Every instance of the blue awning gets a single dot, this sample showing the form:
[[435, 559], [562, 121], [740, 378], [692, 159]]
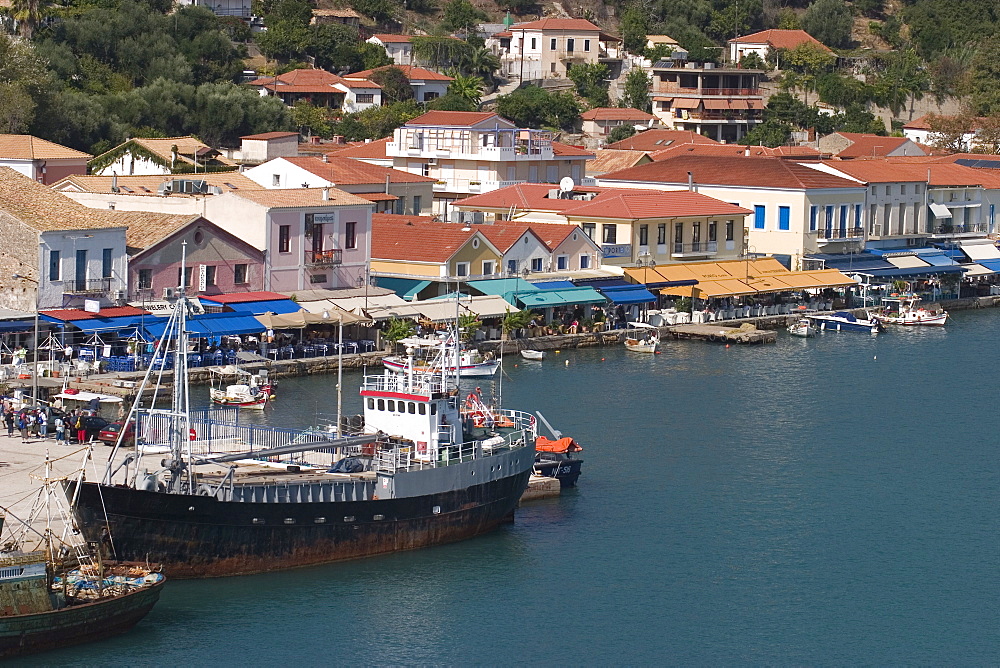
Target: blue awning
[[896, 272], [992, 265], [213, 324], [407, 288], [547, 298], [554, 285], [508, 288], [19, 325], [98, 325], [628, 294], [938, 260], [278, 306], [851, 262]]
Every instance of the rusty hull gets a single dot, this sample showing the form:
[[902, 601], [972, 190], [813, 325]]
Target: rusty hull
[[199, 536]]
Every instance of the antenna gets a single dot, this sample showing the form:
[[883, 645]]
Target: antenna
[[566, 184]]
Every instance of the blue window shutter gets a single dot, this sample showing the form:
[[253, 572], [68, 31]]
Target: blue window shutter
[[857, 216], [813, 217], [783, 217], [758, 216]]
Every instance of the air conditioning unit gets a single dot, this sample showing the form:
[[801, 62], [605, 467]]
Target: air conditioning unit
[[118, 295], [432, 161], [169, 293]]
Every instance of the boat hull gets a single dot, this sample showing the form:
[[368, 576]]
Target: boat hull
[[638, 347], [26, 634], [198, 536], [566, 471], [477, 370]]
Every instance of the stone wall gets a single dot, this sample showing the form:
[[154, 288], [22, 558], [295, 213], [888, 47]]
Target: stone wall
[[18, 255]]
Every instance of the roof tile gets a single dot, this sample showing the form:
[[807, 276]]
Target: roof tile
[[27, 147], [346, 171], [731, 171]]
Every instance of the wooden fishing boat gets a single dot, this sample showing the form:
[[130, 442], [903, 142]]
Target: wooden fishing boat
[[641, 338]]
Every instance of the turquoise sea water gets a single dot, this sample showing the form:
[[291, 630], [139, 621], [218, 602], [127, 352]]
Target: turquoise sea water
[[822, 501]]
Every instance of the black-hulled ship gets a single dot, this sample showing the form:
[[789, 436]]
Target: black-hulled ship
[[420, 470]]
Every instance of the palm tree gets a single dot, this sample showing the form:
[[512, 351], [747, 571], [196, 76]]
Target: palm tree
[[28, 14], [482, 63], [467, 87]]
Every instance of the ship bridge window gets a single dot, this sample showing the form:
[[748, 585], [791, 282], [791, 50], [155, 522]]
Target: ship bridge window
[[423, 409], [392, 406], [411, 407], [371, 404], [381, 404], [433, 409]]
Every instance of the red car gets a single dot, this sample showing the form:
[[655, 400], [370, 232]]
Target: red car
[[109, 434]]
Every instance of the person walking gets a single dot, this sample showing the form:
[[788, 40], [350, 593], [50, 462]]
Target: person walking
[[43, 424], [32, 420], [9, 419], [22, 425], [60, 426], [81, 428]]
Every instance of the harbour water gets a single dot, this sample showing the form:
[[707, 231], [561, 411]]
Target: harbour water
[[818, 501]]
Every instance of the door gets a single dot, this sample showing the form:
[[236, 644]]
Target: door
[[81, 270]]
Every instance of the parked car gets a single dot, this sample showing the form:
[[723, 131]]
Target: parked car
[[109, 434]]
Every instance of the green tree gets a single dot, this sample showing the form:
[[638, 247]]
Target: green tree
[[395, 86], [466, 87], [29, 14], [635, 28], [590, 80], [534, 107], [461, 16], [753, 61], [285, 41], [481, 62], [452, 102], [770, 133], [619, 133], [984, 73], [336, 47], [397, 330], [830, 22], [803, 65], [843, 91], [23, 80], [380, 11], [900, 76], [440, 52], [311, 120], [636, 90], [372, 56], [735, 18]]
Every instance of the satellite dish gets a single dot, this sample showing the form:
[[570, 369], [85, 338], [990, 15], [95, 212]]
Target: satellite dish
[[566, 184]]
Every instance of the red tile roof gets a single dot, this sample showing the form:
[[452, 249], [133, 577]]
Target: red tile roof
[[417, 239], [271, 135], [781, 39], [70, 314], [386, 38], [733, 150], [456, 118], [569, 151], [411, 72], [243, 297], [654, 204], [28, 147], [373, 149], [731, 171], [924, 122], [346, 171], [532, 196], [616, 114], [557, 24], [654, 140], [870, 145]]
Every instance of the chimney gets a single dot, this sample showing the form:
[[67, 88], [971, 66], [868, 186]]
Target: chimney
[[326, 158], [690, 182], [326, 194], [746, 152]]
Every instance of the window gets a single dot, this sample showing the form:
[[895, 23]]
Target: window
[[145, 279], [488, 268], [813, 217], [829, 217], [784, 216], [351, 235], [584, 261], [609, 233], [678, 233], [590, 229], [275, 180], [461, 268], [318, 278], [511, 266], [759, 211], [398, 207], [562, 262], [371, 404], [106, 262], [366, 98], [422, 408], [209, 274], [425, 169], [381, 404], [417, 204], [729, 230], [713, 233], [857, 215], [552, 174], [536, 264], [644, 235], [570, 44], [240, 274], [284, 238], [188, 274], [586, 45], [695, 234], [843, 220], [54, 265], [534, 43], [81, 268], [411, 408], [431, 96], [902, 189], [552, 44], [661, 233], [392, 405]]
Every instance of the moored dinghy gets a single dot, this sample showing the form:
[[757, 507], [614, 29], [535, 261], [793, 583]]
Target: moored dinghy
[[536, 355], [802, 327], [641, 337]]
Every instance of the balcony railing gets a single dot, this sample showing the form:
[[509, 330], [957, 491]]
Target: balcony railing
[[835, 233], [324, 258], [707, 92], [87, 286], [696, 248]]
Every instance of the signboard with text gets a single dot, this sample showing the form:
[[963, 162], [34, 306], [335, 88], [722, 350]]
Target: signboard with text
[[616, 250]]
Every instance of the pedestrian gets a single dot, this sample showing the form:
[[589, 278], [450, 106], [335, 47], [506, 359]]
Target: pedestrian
[[60, 430], [10, 419], [32, 420], [81, 428], [43, 424], [22, 425]]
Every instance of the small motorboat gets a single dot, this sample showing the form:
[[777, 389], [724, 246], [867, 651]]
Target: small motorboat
[[254, 391], [437, 354], [641, 337], [905, 310], [802, 327], [844, 321], [537, 355]]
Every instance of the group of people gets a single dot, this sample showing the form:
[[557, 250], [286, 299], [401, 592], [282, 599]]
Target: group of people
[[35, 423]]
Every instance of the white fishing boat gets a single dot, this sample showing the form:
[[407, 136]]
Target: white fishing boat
[[802, 327], [252, 390], [641, 337], [423, 353], [536, 355], [905, 309]]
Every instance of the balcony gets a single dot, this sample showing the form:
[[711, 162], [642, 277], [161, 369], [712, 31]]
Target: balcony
[[87, 286], [674, 91], [471, 186], [695, 249], [324, 258], [835, 234]]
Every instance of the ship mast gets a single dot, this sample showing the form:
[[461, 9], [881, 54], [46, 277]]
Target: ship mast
[[180, 406]]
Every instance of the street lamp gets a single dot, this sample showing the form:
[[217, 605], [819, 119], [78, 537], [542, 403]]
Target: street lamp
[[34, 371]]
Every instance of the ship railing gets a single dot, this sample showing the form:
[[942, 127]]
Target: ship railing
[[420, 383], [520, 431]]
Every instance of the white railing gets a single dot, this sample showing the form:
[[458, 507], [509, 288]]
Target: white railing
[[421, 383]]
